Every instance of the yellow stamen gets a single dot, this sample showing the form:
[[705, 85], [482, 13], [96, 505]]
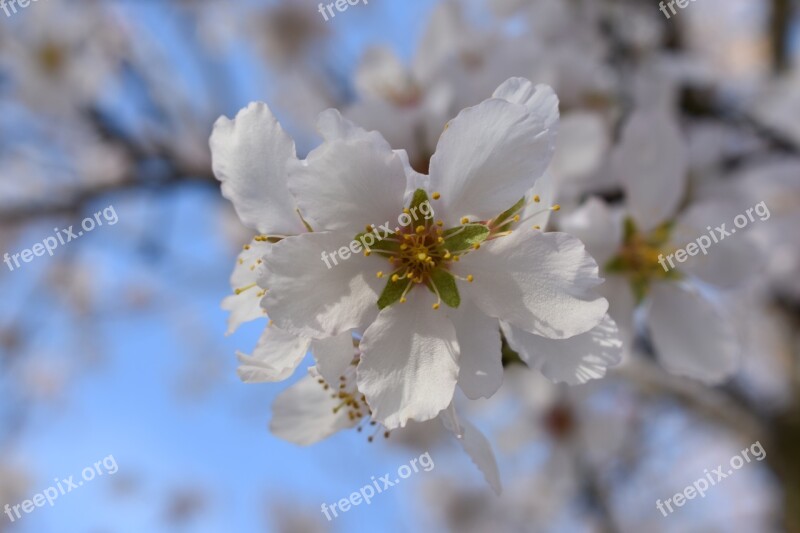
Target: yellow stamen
[[436, 196]]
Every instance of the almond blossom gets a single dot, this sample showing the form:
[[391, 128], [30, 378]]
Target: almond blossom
[[692, 334], [429, 300]]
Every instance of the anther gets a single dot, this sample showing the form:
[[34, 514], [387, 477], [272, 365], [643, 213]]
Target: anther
[[536, 198], [556, 207], [436, 196], [464, 220], [379, 274], [470, 278]]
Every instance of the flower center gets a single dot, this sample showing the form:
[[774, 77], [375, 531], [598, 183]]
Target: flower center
[[422, 252], [637, 258]]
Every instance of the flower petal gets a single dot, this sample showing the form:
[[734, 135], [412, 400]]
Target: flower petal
[[351, 180], [303, 414], [275, 357], [246, 306], [597, 227], [621, 307], [307, 298], [691, 337], [652, 163], [477, 447], [333, 356], [573, 361], [727, 263], [540, 282], [408, 369], [480, 372], [250, 155], [492, 154]]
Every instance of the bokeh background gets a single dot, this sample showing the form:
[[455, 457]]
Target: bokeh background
[[116, 345]]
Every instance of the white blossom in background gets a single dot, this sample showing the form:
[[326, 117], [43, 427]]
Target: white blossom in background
[[60, 55], [692, 334]]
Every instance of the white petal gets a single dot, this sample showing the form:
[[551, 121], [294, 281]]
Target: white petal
[[408, 369], [597, 227], [691, 337], [540, 282], [275, 358], [307, 298], [477, 447], [727, 263], [652, 163], [246, 306], [303, 413], [538, 99], [250, 156], [575, 360], [583, 142], [351, 180], [538, 213], [491, 155], [333, 356], [621, 307], [480, 366]]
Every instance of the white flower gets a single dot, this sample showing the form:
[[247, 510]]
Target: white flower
[[60, 55], [414, 351], [692, 336]]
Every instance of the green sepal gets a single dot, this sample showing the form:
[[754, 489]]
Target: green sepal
[[380, 244], [463, 240], [446, 285], [392, 292], [420, 197], [508, 213]]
